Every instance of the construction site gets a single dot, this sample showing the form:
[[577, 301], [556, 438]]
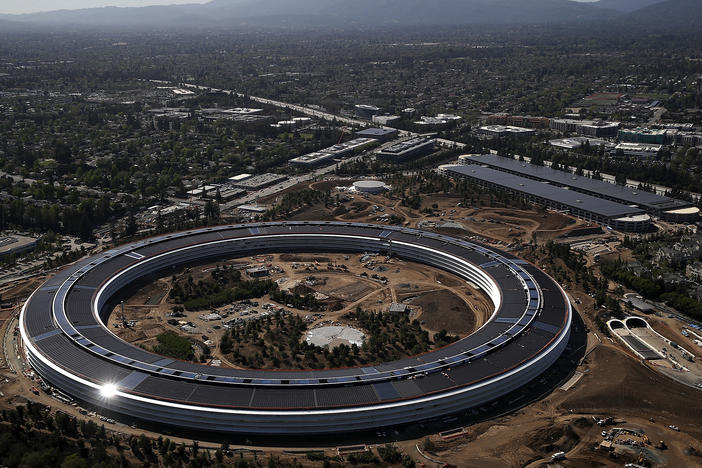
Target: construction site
[[341, 283], [615, 408]]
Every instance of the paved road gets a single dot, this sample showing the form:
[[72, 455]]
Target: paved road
[[273, 189], [11, 349], [328, 116]]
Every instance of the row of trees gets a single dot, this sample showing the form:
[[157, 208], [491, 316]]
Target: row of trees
[[33, 437]]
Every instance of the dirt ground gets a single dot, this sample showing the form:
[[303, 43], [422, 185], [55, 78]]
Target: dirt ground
[[671, 328], [563, 421], [501, 226], [456, 315]]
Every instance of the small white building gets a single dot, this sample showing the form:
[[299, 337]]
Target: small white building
[[369, 186]]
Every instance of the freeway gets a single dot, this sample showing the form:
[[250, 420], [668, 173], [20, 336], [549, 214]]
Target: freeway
[[326, 115], [265, 192], [286, 184]]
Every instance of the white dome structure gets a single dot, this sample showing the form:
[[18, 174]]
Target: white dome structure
[[369, 186]]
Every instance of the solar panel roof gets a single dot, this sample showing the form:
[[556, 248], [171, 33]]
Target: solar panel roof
[[570, 198], [626, 195]]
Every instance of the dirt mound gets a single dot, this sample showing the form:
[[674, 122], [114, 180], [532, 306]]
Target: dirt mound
[[327, 185], [131, 335], [555, 221], [302, 290], [582, 423], [313, 213], [359, 205], [357, 210], [552, 439], [450, 231], [450, 281], [443, 310], [340, 210]]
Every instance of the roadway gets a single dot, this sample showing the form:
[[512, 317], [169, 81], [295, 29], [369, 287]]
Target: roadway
[[327, 116], [253, 197], [273, 189]]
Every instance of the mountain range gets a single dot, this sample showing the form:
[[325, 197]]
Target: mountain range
[[219, 14]]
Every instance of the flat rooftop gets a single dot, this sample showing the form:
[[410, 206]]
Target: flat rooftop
[[577, 142], [404, 146], [630, 196], [376, 132], [14, 242], [311, 158], [341, 149], [645, 147], [506, 128], [565, 196], [240, 177], [259, 180]]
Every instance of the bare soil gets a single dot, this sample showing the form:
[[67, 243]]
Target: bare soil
[[444, 310], [314, 213]]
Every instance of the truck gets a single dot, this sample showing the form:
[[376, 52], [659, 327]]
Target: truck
[[558, 456]]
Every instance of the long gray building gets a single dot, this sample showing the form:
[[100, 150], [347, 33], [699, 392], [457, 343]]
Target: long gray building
[[666, 208], [616, 215]]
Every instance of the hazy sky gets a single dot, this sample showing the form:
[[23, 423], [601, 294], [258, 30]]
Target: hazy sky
[[30, 6]]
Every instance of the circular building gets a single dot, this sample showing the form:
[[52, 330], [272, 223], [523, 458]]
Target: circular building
[[689, 214], [369, 186], [67, 342]]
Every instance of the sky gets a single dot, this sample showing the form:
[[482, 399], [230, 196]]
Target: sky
[[31, 6]]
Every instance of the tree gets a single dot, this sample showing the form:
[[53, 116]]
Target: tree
[[211, 211], [74, 461], [130, 227]]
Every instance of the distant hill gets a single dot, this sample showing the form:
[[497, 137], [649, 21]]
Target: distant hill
[[232, 13], [671, 14], [11, 26], [626, 6]]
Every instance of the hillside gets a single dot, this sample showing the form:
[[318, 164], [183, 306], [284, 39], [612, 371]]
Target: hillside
[[233, 13], [670, 13]]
